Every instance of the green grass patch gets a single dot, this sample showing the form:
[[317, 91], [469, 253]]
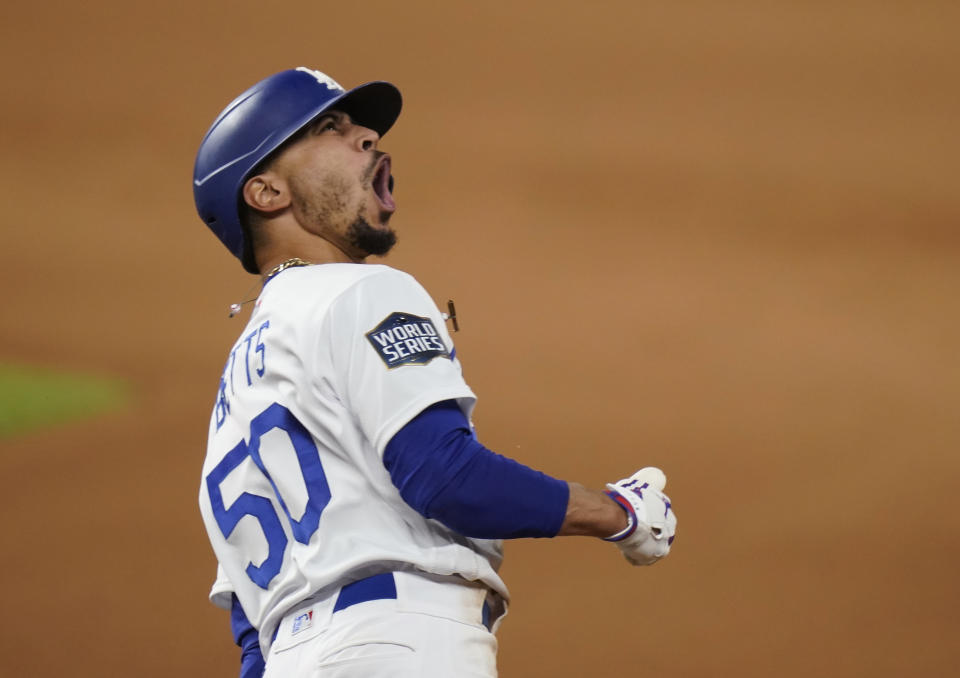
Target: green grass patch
[[33, 398]]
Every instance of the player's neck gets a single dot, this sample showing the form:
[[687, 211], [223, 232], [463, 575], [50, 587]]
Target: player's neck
[[316, 251]]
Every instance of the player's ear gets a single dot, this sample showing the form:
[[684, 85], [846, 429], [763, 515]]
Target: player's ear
[[266, 192]]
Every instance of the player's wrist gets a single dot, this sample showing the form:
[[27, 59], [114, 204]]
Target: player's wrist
[[592, 513], [631, 516]]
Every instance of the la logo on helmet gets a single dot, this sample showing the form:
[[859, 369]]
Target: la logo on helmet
[[322, 78]]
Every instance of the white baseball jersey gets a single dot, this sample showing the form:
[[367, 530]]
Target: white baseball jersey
[[335, 359]]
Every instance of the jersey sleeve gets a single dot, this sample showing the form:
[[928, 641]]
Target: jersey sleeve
[[221, 593], [391, 354]]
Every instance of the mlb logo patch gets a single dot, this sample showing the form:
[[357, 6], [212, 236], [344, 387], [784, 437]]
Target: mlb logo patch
[[302, 622], [406, 339]]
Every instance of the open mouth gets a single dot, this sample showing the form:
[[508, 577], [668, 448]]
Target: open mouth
[[381, 184]]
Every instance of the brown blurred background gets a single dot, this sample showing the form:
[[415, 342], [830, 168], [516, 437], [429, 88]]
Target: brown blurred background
[[716, 237]]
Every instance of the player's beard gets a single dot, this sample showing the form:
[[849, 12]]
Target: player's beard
[[326, 208], [372, 240]]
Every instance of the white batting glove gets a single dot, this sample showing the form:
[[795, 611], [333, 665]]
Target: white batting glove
[[651, 522]]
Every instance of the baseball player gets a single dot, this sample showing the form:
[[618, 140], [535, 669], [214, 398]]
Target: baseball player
[[356, 518]]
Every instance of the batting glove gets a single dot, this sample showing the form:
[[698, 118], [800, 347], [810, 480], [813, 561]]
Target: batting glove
[[651, 522]]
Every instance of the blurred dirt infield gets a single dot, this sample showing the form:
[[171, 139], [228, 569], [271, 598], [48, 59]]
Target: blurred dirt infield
[[718, 239]]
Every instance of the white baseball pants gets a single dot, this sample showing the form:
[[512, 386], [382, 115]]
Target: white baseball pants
[[434, 628]]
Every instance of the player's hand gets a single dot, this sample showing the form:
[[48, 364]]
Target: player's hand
[[651, 522]]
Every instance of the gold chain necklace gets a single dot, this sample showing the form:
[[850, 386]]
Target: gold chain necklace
[[282, 266]]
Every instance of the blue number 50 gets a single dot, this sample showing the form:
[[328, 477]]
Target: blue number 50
[[318, 491]]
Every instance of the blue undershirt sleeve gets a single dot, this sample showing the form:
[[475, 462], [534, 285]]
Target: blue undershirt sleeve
[[247, 637], [444, 473]]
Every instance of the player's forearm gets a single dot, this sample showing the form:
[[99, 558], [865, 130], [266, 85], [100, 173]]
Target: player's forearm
[[445, 474], [592, 513]]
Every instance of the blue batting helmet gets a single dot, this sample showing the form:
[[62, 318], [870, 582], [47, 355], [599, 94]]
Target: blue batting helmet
[[256, 124]]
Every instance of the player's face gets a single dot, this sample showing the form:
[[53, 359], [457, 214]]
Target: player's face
[[339, 184]]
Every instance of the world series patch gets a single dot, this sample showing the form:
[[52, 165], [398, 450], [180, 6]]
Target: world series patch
[[406, 339]]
